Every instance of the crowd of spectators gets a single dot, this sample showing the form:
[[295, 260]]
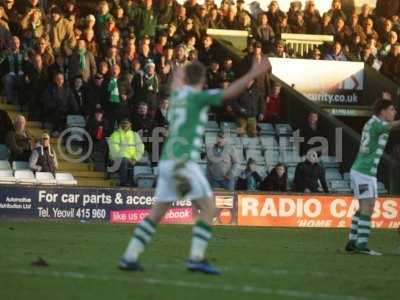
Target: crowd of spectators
[[114, 61]]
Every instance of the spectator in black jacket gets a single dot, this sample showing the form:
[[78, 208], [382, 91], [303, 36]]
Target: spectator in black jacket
[[276, 181], [12, 68], [309, 131], [36, 81], [59, 102], [6, 125], [99, 128], [206, 51], [249, 107], [308, 174], [142, 123], [95, 94], [80, 93]]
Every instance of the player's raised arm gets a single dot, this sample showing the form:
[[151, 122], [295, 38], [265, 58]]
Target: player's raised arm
[[178, 79], [240, 85]]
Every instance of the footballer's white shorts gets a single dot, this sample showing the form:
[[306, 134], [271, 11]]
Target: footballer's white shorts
[[166, 186], [365, 187]]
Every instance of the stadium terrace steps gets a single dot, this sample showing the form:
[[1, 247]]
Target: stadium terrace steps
[[81, 171]]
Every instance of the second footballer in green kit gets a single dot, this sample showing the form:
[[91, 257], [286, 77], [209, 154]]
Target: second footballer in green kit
[[363, 174]]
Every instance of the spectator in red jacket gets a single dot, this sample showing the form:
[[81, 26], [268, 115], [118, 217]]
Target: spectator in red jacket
[[272, 112]]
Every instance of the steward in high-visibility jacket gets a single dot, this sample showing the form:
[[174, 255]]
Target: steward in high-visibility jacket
[[125, 143]]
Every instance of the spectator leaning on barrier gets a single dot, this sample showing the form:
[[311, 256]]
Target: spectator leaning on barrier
[[222, 164], [276, 181], [308, 174], [43, 158], [126, 149], [19, 141]]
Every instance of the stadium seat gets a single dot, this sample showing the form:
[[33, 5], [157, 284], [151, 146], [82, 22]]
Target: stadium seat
[[251, 142], [329, 162], [262, 170], [381, 188], [210, 138], [145, 161], [140, 170], [284, 130], [212, 126], [45, 178], [339, 186], [25, 177], [230, 127], [291, 171], [271, 157], [269, 142], [290, 158], [20, 165], [346, 176], [333, 174], [155, 171], [4, 153], [5, 165], [255, 154], [286, 143], [6, 177], [145, 181], [266, 129], [65, 179], [76, 121]]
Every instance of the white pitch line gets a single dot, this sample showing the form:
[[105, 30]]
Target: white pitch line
[[244, 289], [264, 271]]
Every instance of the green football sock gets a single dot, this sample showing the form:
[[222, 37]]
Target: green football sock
[[354, 227], [364, 231]]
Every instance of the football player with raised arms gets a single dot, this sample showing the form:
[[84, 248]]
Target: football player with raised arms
[[179, 176]]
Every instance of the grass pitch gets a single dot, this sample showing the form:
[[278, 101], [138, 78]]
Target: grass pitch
[[258, 263]]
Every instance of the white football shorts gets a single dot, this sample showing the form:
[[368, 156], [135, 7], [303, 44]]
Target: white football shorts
[[365, 187], [166, 187]]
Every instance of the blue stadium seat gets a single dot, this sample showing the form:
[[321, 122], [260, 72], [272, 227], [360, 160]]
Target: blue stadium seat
[[20, 165], [4, 153], [5, 165]]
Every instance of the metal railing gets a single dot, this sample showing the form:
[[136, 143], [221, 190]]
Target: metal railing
[[302, 44]]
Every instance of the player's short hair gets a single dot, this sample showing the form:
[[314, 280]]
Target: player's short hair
[[195, 73], [381, 104]]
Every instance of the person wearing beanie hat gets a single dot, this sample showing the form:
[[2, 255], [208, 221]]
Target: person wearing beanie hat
[[43, 157]]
